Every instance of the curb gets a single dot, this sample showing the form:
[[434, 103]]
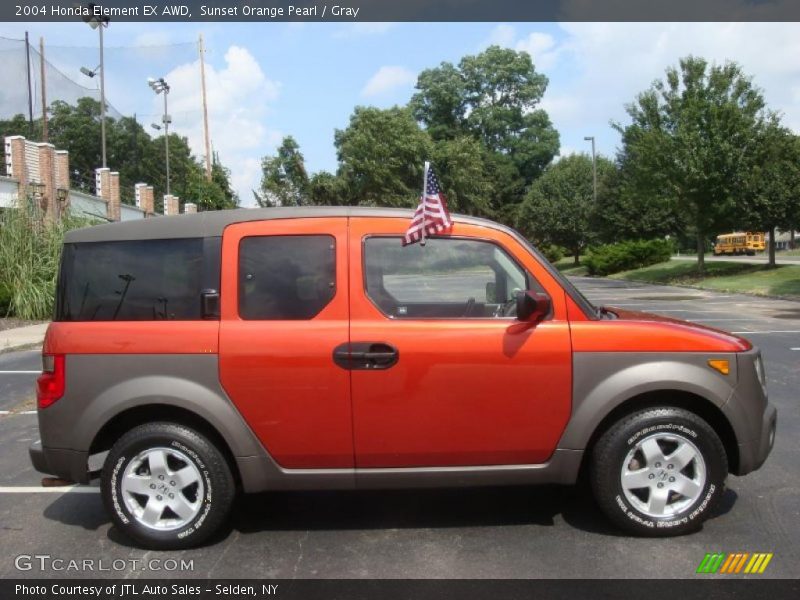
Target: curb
[[21, 348], [697, 287]]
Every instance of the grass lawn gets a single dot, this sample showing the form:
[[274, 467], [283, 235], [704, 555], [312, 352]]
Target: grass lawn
[[783, 280], [567, 266]]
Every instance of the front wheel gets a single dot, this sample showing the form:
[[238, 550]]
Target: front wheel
[[167, 486], [659, 472]]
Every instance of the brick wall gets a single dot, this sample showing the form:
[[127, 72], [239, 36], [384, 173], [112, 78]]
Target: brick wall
[[172, 205]]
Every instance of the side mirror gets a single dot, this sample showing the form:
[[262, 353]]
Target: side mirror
[[532, 306]]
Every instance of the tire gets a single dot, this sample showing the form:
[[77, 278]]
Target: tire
[[167, 486], [672, 498]]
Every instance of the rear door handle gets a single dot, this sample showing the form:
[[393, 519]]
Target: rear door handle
[[366, 356]]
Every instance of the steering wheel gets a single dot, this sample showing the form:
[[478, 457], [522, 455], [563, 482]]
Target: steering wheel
[[469, 306]]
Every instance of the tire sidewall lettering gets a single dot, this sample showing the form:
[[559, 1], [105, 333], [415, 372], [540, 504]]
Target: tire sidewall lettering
[[671, 427], [115, 490]]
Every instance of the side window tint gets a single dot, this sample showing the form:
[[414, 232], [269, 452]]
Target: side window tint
[[446, 278], [141, 280], [289, 277]]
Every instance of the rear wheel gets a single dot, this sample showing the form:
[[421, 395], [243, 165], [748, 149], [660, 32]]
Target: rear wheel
[[167, 486], [659, 472]]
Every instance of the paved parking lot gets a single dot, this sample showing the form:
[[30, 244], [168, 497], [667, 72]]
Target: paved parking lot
[[509, 533]]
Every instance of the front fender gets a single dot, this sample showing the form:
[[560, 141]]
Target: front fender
[[602, 381]]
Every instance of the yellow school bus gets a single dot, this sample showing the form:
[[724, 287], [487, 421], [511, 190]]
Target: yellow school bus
[[741, 242]]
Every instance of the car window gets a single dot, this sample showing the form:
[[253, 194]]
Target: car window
[[140, 280], [446, 278], [286, 277]]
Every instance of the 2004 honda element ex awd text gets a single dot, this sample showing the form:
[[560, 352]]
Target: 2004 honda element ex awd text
[[197, 356]]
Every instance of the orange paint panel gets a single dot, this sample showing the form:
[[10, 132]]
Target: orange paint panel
[[464, 391], [643, 332], [280, 374], [132, 337]]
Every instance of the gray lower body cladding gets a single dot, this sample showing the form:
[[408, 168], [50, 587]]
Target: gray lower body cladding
[[602, 381], [100, 387]]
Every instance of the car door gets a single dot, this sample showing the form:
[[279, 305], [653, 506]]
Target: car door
[[441, 375], [284, 308]]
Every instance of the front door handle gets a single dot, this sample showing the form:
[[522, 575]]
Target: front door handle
[[366, 356]]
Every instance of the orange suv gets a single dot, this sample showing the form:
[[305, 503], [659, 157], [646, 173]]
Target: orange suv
[[193, 357]]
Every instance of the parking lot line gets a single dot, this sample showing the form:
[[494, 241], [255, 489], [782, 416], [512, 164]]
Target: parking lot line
[[20, 372], [767, 332], [72, 489]]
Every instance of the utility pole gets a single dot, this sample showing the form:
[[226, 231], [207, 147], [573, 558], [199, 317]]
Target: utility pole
[[590, 138], [102, 95], [30, 87], [44, 91], [99, 22], [159, 86], [166, 134], [205, 107]]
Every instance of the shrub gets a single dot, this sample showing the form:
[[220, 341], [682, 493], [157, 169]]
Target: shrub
[[5, 300], [30, 251], [552, 252], [624, 256]]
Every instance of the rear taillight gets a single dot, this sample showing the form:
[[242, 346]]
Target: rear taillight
[[50, 384]]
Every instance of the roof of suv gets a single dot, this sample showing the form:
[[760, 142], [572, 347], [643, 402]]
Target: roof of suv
[[212, 223]]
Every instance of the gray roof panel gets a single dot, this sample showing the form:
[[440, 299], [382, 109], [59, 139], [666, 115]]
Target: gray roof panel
[[212, 223]]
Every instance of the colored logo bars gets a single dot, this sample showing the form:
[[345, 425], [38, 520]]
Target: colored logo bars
[[731, 564]]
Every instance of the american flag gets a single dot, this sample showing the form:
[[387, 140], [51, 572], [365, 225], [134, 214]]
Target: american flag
[[431, 216]]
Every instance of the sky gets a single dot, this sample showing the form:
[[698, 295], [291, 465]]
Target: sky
[[268, 80]]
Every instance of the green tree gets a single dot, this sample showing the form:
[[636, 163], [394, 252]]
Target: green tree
[[559, 207], [221, 176], [772, 186], [692, 139], [284, 181], [130, 150], [327, 189], [492, 96], [214, 194], [624, 213], [19, 125], [463, 167], [381, 156]]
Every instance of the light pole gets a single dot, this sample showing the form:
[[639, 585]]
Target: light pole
[[590, 138], [100, 23], [160, 86]]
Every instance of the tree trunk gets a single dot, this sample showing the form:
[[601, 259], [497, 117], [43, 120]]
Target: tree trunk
[[791, 239], [577, 260], [771, 262], [701, 251]]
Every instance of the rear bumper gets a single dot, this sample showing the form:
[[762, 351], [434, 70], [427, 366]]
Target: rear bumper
[[64, 464]]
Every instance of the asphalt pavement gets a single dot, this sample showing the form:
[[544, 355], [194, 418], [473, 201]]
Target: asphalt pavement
[[479, 533]]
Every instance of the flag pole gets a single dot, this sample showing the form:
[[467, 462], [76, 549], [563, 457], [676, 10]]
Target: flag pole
[[424, 197]]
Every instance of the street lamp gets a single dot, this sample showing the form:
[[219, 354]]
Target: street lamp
[[99, 23], [160, 86], [590, 138], [90, 73]]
